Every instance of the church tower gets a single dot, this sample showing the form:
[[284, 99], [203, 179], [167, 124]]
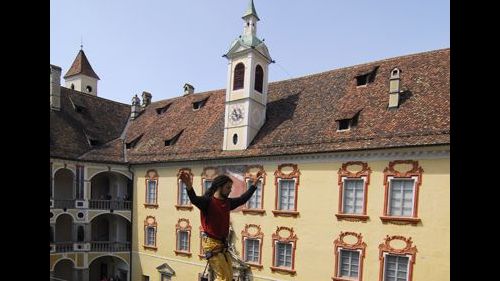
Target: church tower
[[246, 91], [81, 76]]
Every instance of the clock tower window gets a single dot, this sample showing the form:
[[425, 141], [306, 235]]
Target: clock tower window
[[259, 78], [235, 139], [239, 76]]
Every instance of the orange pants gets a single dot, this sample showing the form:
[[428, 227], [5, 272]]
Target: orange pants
[[220, 263]]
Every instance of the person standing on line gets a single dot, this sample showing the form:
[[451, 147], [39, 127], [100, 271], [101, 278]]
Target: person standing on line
[[215, 206]]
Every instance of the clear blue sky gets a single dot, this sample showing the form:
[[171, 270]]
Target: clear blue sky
[[158, 45]]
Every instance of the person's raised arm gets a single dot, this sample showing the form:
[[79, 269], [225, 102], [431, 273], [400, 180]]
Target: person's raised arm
[[238, 201], [199, 201]]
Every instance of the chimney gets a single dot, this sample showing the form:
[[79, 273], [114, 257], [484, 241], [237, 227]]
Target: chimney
[[55, 87], [188, 89], [136, 107], [146, 99], [394, 88]]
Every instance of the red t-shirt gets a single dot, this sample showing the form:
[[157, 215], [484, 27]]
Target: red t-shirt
[[215, 221]]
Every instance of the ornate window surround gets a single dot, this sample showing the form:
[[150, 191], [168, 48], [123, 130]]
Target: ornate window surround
[[292, 238], [151, 175], [293, 175], [150, 221], [345, 173], [177, 205], [391, 173], [207, 175], [247, 176], [359, 246], [183, 225], [257, 235], [408, 250]]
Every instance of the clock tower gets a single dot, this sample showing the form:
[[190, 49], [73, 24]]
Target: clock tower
[[246, 91]]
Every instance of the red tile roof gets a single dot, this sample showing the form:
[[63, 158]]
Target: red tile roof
[[81, 65], [301, 116]]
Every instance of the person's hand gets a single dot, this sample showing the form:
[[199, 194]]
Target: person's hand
[[186, 178], [257, 177]]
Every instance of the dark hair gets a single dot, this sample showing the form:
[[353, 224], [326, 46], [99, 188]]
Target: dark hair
[[216, 183]]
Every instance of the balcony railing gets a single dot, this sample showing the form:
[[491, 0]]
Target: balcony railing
[[64, 203], [105, 246], [95, 246], [62, 247], [110, 204]]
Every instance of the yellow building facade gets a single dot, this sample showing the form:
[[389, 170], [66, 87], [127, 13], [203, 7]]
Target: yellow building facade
[[317, 224]]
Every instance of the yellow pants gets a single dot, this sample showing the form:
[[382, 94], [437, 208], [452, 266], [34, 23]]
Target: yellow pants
[[221, 262]]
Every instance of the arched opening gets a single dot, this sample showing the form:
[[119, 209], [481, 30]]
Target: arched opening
[[64, 270], [239, 76], [72, 86], [235, 139], [259, 78], [108, 266], [110, 190], [89, 89], [64, 228], [110, 232], [63, 184]]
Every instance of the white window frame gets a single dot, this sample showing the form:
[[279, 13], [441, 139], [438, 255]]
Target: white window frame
[[279, 203], [363, 202], [258, 250], [254, 195], [179, 240], [182, 190], [389, 195], [148, 241], [407, 266], [339, 262], [276, 260], [148, 192], [204, 186]]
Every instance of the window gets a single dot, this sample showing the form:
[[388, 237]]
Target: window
[[254, 204], [287, 183], [401, 197], [402, 180], [163, 109], [199, 104], [365, 78], [134, 142], [349, 257], [353, 182], [239, 76], [150, 228], [151, 189], [173, 140], [396, 268], [396, 264], [183, 237], [182, 196], [286, 194], [79, 181], [235, 139], [284, 242], [80, 234], [208, 174], [202, 252], [145, 278], [252, 237], [259, 78], [72, 86], [89, 89], [348, 123]]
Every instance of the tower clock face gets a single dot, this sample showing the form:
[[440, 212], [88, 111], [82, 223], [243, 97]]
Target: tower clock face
[[236, 114]]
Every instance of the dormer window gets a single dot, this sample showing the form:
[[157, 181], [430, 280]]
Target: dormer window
[[93, 142], [77, 108], [239, 76], [134, 142], [347, 123], [366, 78], [199, 104], [162, 110], [173, 140]]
